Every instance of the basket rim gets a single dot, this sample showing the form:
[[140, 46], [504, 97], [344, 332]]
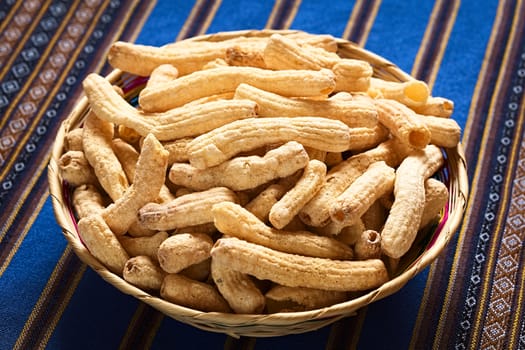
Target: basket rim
[[254, 325]]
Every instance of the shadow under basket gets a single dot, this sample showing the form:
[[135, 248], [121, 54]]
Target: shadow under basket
[[430, 242]]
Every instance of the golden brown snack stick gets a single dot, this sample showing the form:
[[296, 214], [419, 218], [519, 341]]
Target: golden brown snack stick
[[148, 245], [436, 196], [76, 170], [194, 294], [128, 157], [221, 144], [127, 134], [150, 175], [143, 59], [87, 200], [350, 234], [368, 246], [239, 290], [187, 210], [316, 212], [299, 271], [444, 132], [253, 55], [292, 299], [175, 123], [261, 205], [436, 106], [242, 173], [190, 56], [96, 141], [403, 222], [226, 79], [73, 140], [410, 93], [350, 205], [360, 113], [286, 208], [102, 243], [162, 74], [402, 123], [198, 272], [333, 158], [233, 220], [374, 218], [239, 56], [352, 75], [143, 272], [177, 150], [364, 138], [282, 52], [183, 250]]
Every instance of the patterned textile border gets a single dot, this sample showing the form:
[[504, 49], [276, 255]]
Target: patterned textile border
[[486, 286], [46, 49]]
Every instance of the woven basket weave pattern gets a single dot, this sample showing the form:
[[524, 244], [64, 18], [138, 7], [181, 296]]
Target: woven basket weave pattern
[[280, 323]]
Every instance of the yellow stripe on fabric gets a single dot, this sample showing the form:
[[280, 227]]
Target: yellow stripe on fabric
[[21, 42], [435, 68], [444, 38], [276, 10], [199, 4], [146, 338], [21, 199], [371, 18], [424, 302], [209, 18], [483, 72], [508, 178], [354, 15], [353, 29], [57, 84], [185, 32], [475, 179], [25, 230], [291, 15], [44, 297]]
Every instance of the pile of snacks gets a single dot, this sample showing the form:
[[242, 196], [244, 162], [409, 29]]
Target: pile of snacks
[[256, 175]]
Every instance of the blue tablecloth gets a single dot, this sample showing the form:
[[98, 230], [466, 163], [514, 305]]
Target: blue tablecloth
[[472, 52]]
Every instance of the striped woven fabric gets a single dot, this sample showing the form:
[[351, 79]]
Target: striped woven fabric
[[473, 52]]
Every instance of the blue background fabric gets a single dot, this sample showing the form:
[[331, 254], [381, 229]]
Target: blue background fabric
[[472, 52]]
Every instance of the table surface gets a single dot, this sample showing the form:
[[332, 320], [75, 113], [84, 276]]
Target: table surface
[[472, 52]]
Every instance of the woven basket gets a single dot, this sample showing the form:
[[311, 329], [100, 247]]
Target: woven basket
[[428, 246]]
